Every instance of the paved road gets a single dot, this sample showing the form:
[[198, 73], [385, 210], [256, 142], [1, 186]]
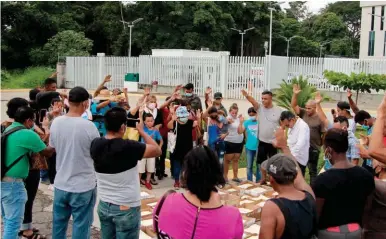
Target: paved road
[[164, 185]]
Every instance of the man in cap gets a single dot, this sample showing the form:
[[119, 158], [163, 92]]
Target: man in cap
[[75, 182], [293, 213], [192, 99]]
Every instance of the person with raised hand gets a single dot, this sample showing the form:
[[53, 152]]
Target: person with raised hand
[[317, 129]]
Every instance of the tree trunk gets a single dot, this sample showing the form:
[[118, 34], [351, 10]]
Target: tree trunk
[[356, 98]]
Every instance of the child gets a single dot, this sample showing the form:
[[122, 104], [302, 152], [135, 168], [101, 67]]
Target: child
[[148, 164], [250, 127]]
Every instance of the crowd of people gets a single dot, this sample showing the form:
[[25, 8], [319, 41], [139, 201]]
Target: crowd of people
[[80, 143]]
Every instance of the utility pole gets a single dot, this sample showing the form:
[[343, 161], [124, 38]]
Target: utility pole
[[288, 41], [242, 33], [131, 25], [321, 47]]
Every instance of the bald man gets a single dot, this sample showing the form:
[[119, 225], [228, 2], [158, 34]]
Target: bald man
[[317, 128]]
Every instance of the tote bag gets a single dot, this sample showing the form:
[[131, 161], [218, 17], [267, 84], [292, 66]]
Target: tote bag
[[172, 138]]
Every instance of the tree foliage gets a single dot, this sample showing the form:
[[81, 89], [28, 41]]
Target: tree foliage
[[359, 82], [28, 26], [65, 43], [283, 95]]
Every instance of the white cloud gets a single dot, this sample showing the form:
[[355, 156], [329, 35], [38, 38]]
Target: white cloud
[[314, 5]]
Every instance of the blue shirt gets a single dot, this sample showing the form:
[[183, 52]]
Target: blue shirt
[[153, 133], [100, 124], [252, 130]]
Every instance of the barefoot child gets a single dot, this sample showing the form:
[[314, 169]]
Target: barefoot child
[[148, 164]]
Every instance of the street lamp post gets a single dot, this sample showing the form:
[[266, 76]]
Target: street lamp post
[[321, 47], [288, 41], [131, 25], [242, 33]]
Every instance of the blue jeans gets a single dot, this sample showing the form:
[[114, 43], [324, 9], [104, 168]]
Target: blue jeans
[[44, 175], [117, 223], [78, 205], [13, 199], [219, 149], [250, 159], [176, 169]]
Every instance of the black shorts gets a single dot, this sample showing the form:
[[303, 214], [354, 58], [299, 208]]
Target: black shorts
[[233, 148]]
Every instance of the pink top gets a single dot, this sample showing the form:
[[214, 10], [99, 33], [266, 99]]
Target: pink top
[[177, 217]]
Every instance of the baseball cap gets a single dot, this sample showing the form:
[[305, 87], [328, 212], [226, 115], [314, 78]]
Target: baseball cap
[[281, 167], [78, 94], [217, 95], [189, 86], [343, 105]]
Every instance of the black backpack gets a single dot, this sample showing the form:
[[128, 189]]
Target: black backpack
[[4, 136]]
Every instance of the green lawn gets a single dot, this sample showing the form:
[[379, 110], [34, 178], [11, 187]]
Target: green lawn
[[27, 79]]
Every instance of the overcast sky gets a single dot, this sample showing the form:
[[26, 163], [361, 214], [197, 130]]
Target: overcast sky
[[313, 5]]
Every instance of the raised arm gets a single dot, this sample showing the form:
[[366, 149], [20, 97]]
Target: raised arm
[[100, 87], [241, 128], [281, 143], [152, 148], [319, 110], [294, 101], [353, 106], [251, 100], [377, 149], [126, 96]]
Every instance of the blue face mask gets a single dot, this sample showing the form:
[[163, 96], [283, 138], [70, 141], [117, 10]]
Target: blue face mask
[[183, 119], [188, 94], [221, 118], [365, 127], [253, 118]]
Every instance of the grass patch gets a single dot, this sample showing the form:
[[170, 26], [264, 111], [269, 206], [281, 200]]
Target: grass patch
[[25, 79]]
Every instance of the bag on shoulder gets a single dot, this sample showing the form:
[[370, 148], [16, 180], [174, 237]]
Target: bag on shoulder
[[172, 139], [4, 136], [131, 133]]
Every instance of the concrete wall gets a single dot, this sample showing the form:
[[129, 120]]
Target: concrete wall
[[366, 27]]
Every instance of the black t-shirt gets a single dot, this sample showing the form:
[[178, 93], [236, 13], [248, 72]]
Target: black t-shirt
[[44, 99], [184, 141], [345, 192], [113, 156]]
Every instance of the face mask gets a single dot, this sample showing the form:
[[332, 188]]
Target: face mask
[[253, 118], [188, 94], [365, 127], [151, 106], [221, 118], [183, 119]]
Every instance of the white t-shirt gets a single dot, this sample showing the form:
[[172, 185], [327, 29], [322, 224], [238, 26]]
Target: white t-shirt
[[71, 137], [234, 136]]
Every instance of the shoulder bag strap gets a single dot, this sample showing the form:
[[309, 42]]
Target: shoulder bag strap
[[4, 137], [157, 212], [13, 130], [195, 222]]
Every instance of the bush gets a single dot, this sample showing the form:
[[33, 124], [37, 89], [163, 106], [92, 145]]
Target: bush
[[27, 79], [283, 95]]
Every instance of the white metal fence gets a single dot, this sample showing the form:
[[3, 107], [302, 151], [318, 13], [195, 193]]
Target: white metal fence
[[223, 73]]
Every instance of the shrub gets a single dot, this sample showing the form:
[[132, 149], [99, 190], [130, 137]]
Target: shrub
[[27, 79]]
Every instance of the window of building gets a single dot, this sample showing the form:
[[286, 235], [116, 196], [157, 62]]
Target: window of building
[[372, 18], [382, 17], [384, 45], [371, 43]]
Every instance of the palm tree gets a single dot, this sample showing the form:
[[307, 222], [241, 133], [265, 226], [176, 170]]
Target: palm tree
[[283, 95]]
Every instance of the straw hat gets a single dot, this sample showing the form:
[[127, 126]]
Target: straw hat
[[104, 95]]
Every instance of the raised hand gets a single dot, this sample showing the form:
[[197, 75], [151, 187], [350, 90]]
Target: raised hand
[[241, 118], [280, 138], [244, 92], [146, 91], [45, 122], [349, 93], [208, 90], [178, 88], [54, 75], [318, 98], [139, 127], [125, 90], [107, 79], [296, 89]]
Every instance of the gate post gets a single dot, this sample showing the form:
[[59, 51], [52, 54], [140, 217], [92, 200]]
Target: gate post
[[224, 59]]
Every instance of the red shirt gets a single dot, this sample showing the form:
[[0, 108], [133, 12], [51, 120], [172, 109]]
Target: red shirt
[[384, 141], [164, 128]]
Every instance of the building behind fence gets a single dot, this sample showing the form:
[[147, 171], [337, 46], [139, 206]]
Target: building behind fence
[[227, 74]]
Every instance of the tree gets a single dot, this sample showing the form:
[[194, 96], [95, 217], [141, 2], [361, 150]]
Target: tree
[[297, 10], [359, 82], [328, 26], [66, 43], [283, 95]]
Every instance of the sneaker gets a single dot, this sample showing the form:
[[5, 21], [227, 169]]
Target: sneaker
[[51, 187], [153, 182], [177, 185], [148, 186], [237, 180]]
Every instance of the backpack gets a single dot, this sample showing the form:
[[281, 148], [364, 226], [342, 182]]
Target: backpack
[[4, 136]]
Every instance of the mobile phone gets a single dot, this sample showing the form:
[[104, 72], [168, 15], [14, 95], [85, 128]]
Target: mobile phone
[[42, 115]]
